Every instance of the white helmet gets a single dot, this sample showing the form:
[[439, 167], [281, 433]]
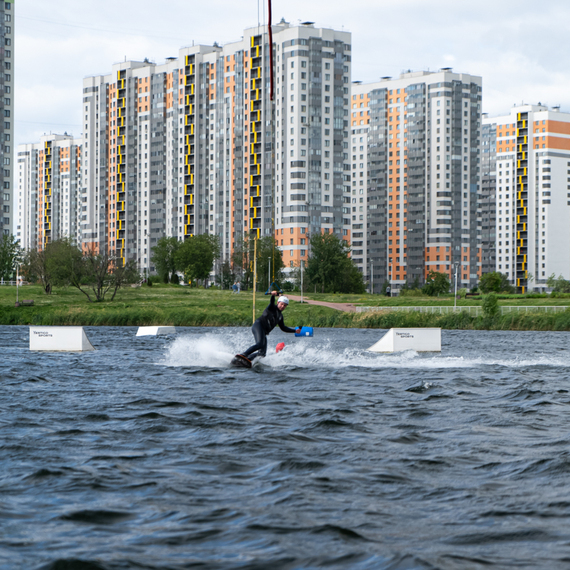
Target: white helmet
[[283, 299]]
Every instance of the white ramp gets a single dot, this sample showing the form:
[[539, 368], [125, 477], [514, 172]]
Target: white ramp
[[153, 331], [59, 339], [420, 340]]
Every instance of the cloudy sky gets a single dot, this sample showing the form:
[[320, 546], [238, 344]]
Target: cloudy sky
[[520, 48]]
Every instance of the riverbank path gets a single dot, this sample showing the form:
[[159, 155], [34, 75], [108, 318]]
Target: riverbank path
[[346, 307]]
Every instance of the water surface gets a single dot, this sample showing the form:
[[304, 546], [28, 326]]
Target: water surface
[[152, 452]]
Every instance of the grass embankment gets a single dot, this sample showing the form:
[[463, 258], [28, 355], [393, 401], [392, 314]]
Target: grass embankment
[[443, 300], [182, 306], [156, 305]]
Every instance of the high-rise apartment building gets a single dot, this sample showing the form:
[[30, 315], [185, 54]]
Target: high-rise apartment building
[[7, 110], [415, 151], [532, 195], [48, 190], [195, 145], [488, 196]]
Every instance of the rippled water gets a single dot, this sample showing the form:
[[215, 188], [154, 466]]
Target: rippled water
[[153, 453]]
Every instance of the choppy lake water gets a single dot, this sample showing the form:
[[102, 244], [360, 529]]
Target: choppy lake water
[[152, 453]]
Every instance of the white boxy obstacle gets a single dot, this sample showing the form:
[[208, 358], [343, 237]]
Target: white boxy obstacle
[[153, 331], [420, 340], [59, 339]]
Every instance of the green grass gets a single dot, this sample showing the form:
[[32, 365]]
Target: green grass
[[156, 305], [182, 306], [368, 300]]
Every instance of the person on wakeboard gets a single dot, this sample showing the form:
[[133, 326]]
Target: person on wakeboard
[[272, 316]]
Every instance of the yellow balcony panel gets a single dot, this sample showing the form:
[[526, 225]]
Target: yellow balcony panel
[[192, 129]]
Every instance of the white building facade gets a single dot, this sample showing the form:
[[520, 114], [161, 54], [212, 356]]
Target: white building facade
[[532, 195], [195, 145], [48, 176]]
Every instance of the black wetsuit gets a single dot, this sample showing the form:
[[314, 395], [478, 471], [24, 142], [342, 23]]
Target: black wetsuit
[[270, 318]]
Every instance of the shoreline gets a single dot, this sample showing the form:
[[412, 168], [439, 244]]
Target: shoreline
[[309, 316]]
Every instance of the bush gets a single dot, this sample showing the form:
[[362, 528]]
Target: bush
[[175, 280], [149, 282], [411, 293], [287, 286], [462, 292], [490, 305], [436, 283]]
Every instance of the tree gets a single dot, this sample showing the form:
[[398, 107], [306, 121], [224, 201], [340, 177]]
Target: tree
[[91, 272], [558, 284], [227, 277], [267, 248], [495, 282], [195, 257], [36, 268], [45, 265], [330, 268], [163, 257], [10, 254], [436, 284], [241, 261]]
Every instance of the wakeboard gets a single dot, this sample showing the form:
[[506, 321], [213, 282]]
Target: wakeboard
[[241, 361]]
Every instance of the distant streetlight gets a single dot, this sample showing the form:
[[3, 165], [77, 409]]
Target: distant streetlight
[[269, 274], [455, 297], [371, 278], [17, 284], [302, 263]]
